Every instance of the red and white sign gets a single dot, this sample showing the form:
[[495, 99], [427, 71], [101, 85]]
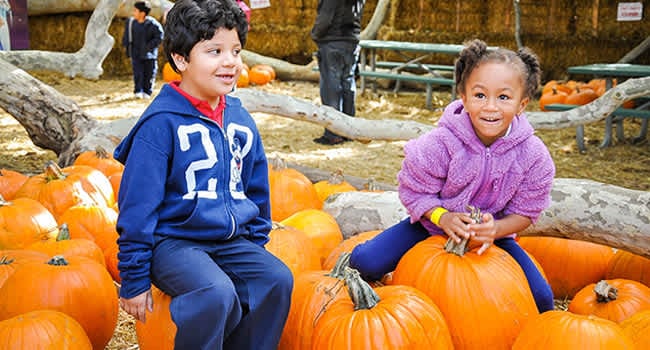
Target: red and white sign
[[260, 4], [629, 11]]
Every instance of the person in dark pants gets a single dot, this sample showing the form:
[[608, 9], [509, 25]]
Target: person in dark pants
[[195, 211], [336, 33], [142, 36]]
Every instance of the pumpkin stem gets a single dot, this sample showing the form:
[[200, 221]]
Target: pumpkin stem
[[4, 260], [361, 293], [64, 233], [371, 185], [101, 153], [342, 263], [3, 201], [277, 163], [53, 171], [462, 247], [336, 177], [605, 292], [58, 260]]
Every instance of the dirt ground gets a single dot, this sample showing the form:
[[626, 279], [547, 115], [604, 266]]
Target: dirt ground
[[623, 164]]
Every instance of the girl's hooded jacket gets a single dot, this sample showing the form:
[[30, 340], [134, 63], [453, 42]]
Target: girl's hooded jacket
[[187, 177], [450, 167]]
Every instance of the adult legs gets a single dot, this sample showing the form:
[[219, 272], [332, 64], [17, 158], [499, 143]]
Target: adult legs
[[380, 255], [538, 286]]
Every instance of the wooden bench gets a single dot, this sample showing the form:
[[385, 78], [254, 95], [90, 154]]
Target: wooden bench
[[428, 80], [616, 117]]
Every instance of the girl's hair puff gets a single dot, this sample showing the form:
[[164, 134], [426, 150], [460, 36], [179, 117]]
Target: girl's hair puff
[[476, 52]]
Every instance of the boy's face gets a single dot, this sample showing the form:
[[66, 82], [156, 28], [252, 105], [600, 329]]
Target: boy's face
[[138, 15], [213, 66]]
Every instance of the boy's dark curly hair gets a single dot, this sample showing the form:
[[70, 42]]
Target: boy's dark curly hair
[[191, 21], [476, 52]]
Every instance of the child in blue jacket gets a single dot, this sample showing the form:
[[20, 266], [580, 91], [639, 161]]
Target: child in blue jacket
[[194, 198]]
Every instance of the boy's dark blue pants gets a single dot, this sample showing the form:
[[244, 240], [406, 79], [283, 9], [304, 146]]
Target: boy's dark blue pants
[[144, 75], [380, 255], [225, 295]]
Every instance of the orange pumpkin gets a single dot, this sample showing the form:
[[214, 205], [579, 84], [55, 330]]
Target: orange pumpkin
[[93, 222], [334, 184], [259, 75], [111, 261], [551, 97], [569, 264], [243, 79], [10, 182], [115, 179], [467, 286], [11, 259], [629, 266], [168, 73], [267, 68], [321, 228], [291, 191], [64, 245], [615, 300], [565, 330], [159, 331], [43, 329], [389, 317], [637, 328], [346, 246], [24, 221], [75, 285], [294, 248], [101, 160], [581, 96]]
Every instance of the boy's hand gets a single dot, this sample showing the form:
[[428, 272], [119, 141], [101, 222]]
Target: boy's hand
[[138, 305]]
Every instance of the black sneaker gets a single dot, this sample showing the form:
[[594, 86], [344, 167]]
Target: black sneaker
[[331, 140]]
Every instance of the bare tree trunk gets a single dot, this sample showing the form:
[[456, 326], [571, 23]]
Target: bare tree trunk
[[124, 9]]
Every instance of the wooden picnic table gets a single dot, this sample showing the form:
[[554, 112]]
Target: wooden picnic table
[[609, 72]]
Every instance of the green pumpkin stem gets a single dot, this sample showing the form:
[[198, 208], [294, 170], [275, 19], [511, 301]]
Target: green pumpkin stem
[[605, 292], [361, 293], [341, 263], [58, 260], [53, 171], [462, 247], [64, 233]]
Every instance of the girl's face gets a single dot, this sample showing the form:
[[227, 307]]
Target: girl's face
[[494, 95], [213, 67]]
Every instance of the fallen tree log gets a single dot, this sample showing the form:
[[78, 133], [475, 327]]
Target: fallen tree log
[[580, 209]]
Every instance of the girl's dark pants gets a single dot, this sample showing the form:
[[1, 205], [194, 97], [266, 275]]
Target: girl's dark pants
[[380, 255]]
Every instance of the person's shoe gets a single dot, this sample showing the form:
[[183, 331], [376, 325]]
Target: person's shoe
[[146, 96], [331, 140], [138, 95]]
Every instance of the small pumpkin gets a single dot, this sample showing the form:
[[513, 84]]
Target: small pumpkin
[[615, 300], [291, 191], [10, 182], [24, 221], [335, 183], [43, 329], [101, 160], [168, 73], [321, 228], [64, 245], [259, 75], [294, 248], [159, 331], [93, 222], [551, 97], [581, 96], [243, 79]]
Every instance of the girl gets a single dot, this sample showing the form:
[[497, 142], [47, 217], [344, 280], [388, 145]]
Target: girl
[[483, 154]]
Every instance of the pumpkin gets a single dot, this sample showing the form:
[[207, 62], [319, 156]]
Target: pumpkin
[[11, 259], [159, 331], [313, 292], [111, 261], [551, 97], [321, 228], [389, 317], [291, 191], [75, 285], [334, 184], [258, 75], [24, 221], [94, 222], [629, 266], [243, 79], [267, 68], [64, 245], [484, 298], [346, 246], [169, 74], [557, 329], [581, 96], [568, 264], [10, 182], [294, 248], [637, 328], [101, 160], [115, 179], [43, 329], [615, 300]]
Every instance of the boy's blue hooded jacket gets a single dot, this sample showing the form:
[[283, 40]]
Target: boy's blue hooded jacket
[[186, 177]]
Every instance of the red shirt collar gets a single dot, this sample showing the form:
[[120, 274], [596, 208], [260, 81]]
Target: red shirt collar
[[202, 105]]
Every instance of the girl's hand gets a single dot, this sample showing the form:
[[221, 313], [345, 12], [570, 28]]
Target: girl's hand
[[456, 225], [138, 305], [484, 232]]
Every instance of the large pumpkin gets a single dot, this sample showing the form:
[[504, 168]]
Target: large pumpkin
[[43, 329], [637, 328], [629, 266], [101, 160], [569, 264], [291, 191], [159, 331], [321, 228], [389, 317], [294, 248], [484, 298], [77, 286], [94, 222], [347, 245], [615, 300], [11, 259], [66, 246], [24, 221], [557, 329]]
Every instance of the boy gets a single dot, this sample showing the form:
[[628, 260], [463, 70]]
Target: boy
[[142, 36], [194, 199]]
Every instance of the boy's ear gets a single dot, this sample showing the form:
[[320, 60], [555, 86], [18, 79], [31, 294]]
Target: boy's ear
[[179, 61]]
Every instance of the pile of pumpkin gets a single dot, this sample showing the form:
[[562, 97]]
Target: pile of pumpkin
[[435, 299], [573, 92], [259, 74]]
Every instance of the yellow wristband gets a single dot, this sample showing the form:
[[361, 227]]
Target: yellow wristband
[[436, 214]]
